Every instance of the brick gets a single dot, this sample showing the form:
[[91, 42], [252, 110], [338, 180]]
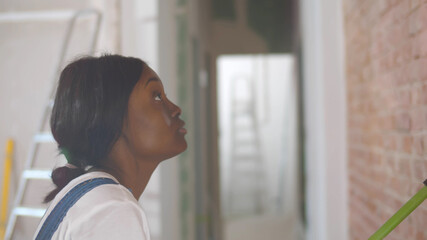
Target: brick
[[407, 144], [400, 76], [380, 178], [389, 99], [403, 121], [391, 201], [418, 120], [413, 24], [379, 47], [382, 6], [417, 19], [403, 53], [355, 138], [422, 69], [420, 218], [419, 145], [403, 98], [385, 63], [419, 170], [424, 144], [416, 96], [389, 142], [422, 16], [397, 34], [421, 235], [420, 45], [390, 165], [412, 70], [423, 93], [405, 168], [398, 13], [415, 4]]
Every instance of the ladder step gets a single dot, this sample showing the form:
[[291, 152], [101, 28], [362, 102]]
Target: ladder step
[[250, 143], [243, 103], [242, 114], [44, 137], [248, 149], [30, 212], [244, 127], [244, 136], [37, 174], [249, 172], [241, 157]]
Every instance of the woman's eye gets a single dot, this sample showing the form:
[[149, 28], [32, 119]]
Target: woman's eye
[[158, 97]]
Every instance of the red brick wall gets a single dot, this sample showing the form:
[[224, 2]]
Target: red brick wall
[[386, 67]]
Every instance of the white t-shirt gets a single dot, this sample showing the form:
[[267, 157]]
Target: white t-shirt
[[108, 211]]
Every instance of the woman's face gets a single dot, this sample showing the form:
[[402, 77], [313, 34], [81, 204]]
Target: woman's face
[[153, 128]]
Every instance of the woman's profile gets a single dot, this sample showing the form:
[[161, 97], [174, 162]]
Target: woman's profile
[[114, 124]]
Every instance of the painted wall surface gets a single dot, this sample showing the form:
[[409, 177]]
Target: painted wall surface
[[386, 86], [325, 119]]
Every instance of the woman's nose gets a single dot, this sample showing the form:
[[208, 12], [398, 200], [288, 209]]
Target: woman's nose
[[176, 111]]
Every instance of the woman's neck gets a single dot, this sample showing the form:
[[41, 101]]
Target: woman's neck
[[133, 179], [131, 172]]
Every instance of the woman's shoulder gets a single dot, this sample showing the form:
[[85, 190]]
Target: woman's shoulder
[[101, 198], [106, 193], [110, 208], [105, 210], [106, 199]]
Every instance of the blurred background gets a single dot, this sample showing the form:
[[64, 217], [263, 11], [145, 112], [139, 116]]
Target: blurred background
[[306, 118]]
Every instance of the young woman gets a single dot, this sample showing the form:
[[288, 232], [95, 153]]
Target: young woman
[[114, 124]]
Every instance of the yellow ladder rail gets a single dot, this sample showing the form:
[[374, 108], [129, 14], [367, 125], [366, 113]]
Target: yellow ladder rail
[[6, 182]]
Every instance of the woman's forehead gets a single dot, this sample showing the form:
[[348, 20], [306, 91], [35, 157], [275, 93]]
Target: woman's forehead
[[148, 73], [148, 77]]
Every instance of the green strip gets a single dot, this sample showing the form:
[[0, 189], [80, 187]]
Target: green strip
[[400, 215]]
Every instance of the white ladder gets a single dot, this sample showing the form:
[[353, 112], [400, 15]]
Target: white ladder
[[44, 135], [247, 180]]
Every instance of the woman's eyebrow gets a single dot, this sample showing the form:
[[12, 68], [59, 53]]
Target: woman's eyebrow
[[150, 80]]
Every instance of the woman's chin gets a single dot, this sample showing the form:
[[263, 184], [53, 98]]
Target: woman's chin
[[183, 147]]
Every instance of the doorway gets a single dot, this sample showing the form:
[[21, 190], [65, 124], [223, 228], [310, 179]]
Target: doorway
[[258, 146]]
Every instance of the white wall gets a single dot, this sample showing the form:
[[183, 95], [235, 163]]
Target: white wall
[[325, 119]]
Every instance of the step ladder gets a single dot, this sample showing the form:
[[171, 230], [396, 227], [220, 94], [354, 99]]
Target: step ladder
[[43, 135], [247, 170]]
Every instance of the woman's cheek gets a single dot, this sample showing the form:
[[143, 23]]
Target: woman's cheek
[[166, 117]]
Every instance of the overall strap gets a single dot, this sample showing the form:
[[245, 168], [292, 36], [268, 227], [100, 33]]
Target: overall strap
[[58, 213]]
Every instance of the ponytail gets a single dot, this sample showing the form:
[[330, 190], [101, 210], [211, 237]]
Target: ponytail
[[61, 177]]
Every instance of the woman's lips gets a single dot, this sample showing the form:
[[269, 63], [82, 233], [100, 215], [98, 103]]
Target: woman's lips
[[182, 130]]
